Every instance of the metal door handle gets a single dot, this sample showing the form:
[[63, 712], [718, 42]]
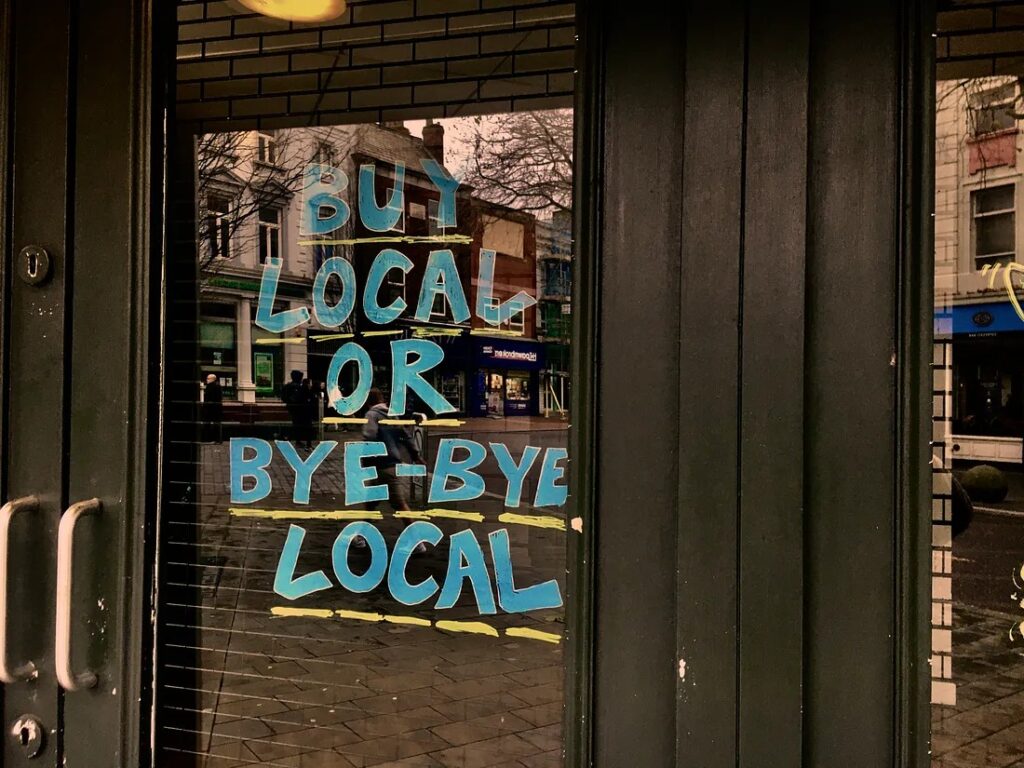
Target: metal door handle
[[65, 571], [27, 670]]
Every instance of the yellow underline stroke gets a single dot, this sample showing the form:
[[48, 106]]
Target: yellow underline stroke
[[307, 514], [494, 332], [289, 340], [359, 615], [311, 613], [533, 634], [537, 521], [472, 627], [451, 514], [381, 333], [331, 336], [424, 423], [437, 331], [343, 420], [510, 518], [398, 421], [465, 239], [442, 423]]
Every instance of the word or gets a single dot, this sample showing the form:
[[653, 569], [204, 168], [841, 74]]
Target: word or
[[452, 480], [465, 564]]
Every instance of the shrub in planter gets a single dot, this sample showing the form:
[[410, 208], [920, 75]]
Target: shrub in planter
[[985, 483]]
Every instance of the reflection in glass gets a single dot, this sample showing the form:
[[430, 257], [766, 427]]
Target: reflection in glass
[[305, 621]]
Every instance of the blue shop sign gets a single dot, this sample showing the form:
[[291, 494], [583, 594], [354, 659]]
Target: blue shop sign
[[979, 319], [510, 353]]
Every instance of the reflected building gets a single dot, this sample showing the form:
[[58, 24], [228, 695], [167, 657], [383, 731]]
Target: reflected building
[[250, 204]]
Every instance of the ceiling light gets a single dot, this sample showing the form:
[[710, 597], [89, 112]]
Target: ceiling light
[[298, 10]]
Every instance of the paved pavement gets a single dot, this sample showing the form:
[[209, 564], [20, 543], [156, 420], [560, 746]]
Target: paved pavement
[[242, 687]]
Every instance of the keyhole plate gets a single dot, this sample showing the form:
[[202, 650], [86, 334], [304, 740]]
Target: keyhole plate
[[28, 732], [33, 264]]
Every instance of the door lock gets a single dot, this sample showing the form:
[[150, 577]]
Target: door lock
[[33, 264], [28, 732]]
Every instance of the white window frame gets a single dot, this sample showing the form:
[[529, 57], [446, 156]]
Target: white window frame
[[220, 219], [266, 148], [396, 279], [268, 229], [978, 261]]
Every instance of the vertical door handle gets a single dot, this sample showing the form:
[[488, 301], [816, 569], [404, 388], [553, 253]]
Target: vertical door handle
[[66, 676], [10, 510]]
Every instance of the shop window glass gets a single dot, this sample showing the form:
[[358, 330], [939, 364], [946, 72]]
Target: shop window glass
[[283, 642], [994, 225], [977, 449]]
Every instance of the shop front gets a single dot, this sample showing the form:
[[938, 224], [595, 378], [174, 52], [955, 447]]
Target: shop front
[[505, 377]]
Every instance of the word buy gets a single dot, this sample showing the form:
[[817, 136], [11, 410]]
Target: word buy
[[324, 211]]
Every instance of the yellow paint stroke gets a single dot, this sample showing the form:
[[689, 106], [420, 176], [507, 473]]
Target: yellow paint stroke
[[441, 423], [310, 613], [537, 521], [359, 615], [533, 634], [472, 627], [306, 514], [381, 333], [992, 274], [465, 239], [494, 332], [288, 340], [450, 514], [431, 331], [1008, 283], [401, 422], [343, 420], [331, 336]]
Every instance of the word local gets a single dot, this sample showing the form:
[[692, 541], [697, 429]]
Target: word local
[[465, 563], [324, 211], [453, 466]]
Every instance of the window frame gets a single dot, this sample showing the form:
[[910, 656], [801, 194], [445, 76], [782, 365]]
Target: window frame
[[978, 261], [264, 230]]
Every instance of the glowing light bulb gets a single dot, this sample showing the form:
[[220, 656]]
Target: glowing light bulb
[[297, 10]]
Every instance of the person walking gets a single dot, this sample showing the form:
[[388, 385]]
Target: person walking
[[213, 410], [296, 396], [397, 442]]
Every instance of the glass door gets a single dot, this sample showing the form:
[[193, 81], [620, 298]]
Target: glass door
[[360, 573]]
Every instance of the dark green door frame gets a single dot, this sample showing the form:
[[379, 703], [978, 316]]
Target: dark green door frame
[[755, 459], [750, 453], [79, 418]]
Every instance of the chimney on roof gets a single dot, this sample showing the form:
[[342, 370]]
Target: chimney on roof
[[433, 140]]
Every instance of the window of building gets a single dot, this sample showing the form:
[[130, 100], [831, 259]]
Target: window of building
[[395, 285], [517, 320], [993, 111], [439, 307], [218, 226], [266, 148], [993, 215], [325, 154], [269, 233], [433, 225]]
